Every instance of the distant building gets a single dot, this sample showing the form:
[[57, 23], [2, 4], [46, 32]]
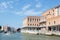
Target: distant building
[[6, 28], [0, 27]]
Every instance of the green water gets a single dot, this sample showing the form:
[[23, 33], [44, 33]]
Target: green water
[[20, 36]]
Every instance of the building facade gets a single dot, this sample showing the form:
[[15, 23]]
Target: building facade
[[31, 24], [6, 28], [49, 21], [53, 19], [34, 24]]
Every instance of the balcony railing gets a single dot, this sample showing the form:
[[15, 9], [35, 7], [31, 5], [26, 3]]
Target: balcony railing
[[43, 20], [42, 26]]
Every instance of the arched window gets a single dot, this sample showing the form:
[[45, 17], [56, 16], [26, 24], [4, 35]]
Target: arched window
[[54, 22], [49, 23]]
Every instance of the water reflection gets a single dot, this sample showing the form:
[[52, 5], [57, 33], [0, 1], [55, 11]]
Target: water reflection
[[21, 36], [39, 37]]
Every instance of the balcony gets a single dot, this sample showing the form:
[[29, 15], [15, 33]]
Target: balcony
[[42, 26], [42, 20]]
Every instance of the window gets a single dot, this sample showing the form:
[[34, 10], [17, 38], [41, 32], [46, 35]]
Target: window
[[53, 13], [49, 23], [28, 19], [54, 28], [45, 17], [33, 24], [28, 24], [39, 28], [37, 20], [37, 24], [54, 22], [49, 12], [33, 28], [53, 10], [33, 19], [49, 28], [45, 24]]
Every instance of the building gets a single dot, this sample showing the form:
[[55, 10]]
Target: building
[[34, 24], [49, 21], [31, 24], [53, 19], [6, 28], [42, 24]]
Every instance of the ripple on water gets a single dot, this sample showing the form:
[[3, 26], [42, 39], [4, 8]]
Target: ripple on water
[[19, 36]]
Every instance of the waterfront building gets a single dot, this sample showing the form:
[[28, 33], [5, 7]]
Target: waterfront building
[[31, 24], [53, 19], [34, 24], [6, 28], [49, 21]]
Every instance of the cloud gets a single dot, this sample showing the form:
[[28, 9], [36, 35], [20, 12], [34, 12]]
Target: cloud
[[28, 13], [38, 5], [31, 12], [19, 12], [5, 5], [26, 7], [9, 2]]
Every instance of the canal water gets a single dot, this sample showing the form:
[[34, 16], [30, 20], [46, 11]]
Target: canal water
[[21, 36]]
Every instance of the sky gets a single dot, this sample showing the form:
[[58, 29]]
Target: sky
[[13, 12]]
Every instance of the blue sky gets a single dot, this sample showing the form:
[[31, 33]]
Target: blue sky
[[12, 12]]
